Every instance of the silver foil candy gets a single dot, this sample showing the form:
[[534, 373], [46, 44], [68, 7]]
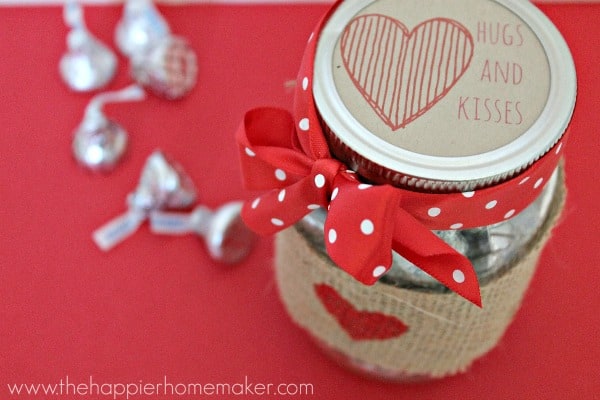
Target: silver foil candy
[[98, 142], [163, 185], [168, 69], [140, 27], [88, 64], [162, 62], [227, 238]]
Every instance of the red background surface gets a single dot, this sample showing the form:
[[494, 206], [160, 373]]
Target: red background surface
[[157, 306]]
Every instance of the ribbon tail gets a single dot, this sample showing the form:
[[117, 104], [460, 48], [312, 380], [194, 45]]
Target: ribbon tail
[[420, 246], [358, 232]]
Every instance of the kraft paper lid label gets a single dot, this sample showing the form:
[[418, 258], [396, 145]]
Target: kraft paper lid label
[[486, 83], [440, 79]]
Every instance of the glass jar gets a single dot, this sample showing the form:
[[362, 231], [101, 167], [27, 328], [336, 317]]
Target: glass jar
[[447, 98], [352, 322]]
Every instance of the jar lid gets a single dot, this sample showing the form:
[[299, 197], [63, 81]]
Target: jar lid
[[442, 96]]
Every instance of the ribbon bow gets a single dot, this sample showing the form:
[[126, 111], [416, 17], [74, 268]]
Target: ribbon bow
[[364, 223]]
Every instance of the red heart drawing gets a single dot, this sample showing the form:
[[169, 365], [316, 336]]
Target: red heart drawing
[[360, 325], [402, 74]]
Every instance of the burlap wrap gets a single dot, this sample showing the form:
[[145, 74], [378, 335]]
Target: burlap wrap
[[445, 332]]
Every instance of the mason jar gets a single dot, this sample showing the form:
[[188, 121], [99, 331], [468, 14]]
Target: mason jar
[[447, 102]]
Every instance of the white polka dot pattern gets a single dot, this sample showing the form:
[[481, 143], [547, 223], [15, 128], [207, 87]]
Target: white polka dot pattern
[[281, 195], [491, 204], [538, 183], [319, 181], [334, 193], [367, 227], [280, 175], [434, 212], [304, 124], [332, 236], [458, 276], [277, 222], [379, 271]]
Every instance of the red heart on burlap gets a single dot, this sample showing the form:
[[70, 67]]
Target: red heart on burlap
[[402, 74], [360, 325]]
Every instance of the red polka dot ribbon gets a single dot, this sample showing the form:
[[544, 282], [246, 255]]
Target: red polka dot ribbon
[[289, 156]]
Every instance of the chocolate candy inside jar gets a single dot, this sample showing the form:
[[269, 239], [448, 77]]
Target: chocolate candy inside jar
[[490, 248], [418, 180]]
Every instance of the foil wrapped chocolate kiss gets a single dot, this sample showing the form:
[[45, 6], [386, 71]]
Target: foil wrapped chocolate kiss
[[99, 142], [140, 27], [88, 64], [164, 63], [227, 238], [168, 69], [163, 185]]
